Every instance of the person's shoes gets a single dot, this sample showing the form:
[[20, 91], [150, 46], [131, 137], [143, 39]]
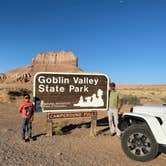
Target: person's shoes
[[23, 139], [31, 138], [112, 134], [118, 134], [27, 140]]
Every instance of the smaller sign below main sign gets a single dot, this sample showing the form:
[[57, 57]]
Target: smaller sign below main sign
[[71, 115], [66, 92]]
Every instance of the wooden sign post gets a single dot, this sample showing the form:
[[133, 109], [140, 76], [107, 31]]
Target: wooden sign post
[[93, 123], [50, 127]]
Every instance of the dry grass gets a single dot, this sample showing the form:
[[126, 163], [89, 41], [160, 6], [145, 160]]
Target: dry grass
[[12, 93], [146, 93]]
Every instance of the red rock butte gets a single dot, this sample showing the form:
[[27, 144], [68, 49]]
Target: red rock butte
[[43, 62]]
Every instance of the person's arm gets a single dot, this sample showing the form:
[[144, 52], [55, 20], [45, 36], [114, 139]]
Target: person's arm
[[32, 109], [120, 104], [20, 108], [32, 117]]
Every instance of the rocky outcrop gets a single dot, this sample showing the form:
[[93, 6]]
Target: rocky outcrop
[[22, 74], [3, 77], [43, 62], [23, 77], [55, 62], [55, 58]]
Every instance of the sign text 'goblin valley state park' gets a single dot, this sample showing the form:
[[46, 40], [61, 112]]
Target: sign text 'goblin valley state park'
[[65, 92]]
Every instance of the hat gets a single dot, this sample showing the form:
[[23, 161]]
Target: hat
[[112, 84]]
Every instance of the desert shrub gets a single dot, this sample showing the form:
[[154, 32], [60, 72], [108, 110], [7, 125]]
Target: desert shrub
[[131, 100], [57, 131], [152, 93], [163, 99], [18, 92], [86, 125], [143, 97], [57, 128], [13, 94]]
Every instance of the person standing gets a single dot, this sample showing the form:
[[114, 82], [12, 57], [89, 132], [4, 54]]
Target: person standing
[[113, 110], [27, 110]]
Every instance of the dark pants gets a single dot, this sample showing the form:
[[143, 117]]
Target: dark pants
[[26, 127]]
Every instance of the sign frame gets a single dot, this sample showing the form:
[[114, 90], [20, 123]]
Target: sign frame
[[80, 74]]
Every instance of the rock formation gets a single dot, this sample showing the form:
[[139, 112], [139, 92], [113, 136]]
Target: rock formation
[[43, 62], [23, 77], [54, 58], [54, 61], [2, 77]]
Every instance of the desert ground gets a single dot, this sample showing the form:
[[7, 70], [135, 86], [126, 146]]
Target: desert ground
[[73, 146]]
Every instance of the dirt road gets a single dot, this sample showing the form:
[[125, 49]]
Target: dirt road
[[75, 148]]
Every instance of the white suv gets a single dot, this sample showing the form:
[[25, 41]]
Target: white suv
[[144, 132]]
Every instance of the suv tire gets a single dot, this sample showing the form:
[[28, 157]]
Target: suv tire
[[138, 143]]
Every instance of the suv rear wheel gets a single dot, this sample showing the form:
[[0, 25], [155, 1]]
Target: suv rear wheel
[[138, 143]]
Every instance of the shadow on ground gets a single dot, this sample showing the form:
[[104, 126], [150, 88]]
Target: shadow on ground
[[38, 135], [100, 122]]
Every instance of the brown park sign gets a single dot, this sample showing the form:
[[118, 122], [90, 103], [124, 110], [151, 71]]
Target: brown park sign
[[66, 92]]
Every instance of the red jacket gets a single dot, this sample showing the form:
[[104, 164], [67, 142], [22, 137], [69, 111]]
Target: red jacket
[[26, 109]]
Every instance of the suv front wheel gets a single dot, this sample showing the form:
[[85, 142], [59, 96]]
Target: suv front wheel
[[138, 143]]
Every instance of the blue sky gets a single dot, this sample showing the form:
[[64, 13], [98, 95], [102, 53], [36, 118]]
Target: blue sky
[[125, 39]]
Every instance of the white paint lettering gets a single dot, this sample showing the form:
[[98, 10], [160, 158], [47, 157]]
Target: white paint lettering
[[77, 89], [41, 79], [41, 88]]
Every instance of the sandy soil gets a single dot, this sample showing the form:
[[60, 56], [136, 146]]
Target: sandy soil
[[75, 148]]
